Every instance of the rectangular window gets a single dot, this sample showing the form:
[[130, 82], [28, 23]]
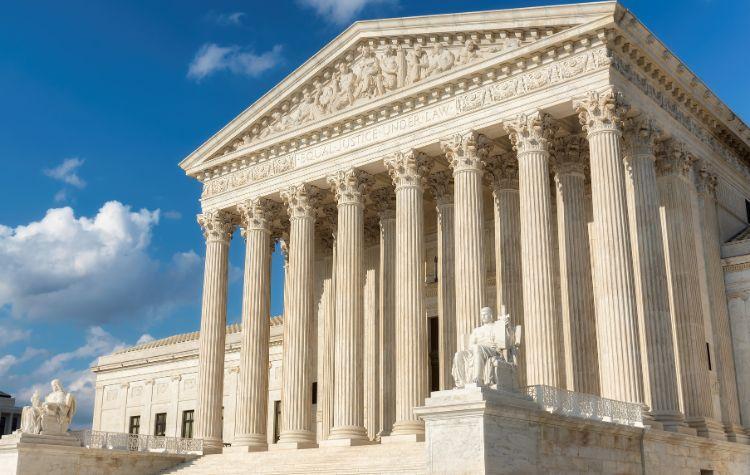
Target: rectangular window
[[315, 393], [187, 424], [135, 425], [708, 355], [276, 420], [434, 353], [160, 425]]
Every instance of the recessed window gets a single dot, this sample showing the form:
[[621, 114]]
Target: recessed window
[[160, 425], [708, 355], [187, 424], [315, 393], [135, 425]]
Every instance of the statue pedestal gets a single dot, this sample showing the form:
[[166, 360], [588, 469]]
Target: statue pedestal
[[21, 438]]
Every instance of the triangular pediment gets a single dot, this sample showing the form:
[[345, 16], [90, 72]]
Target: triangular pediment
[[373, 60]]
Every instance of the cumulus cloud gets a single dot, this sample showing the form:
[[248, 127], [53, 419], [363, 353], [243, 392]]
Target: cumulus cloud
[[226, 19], [212, 58], [67, 172], [12, 335], [92, 270], [341, 11]]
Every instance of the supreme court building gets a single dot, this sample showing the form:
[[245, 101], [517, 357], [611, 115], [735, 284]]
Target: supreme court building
[[558, 161]]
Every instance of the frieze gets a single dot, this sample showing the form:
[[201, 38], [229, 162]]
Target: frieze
[[490, 94], [661, 97]]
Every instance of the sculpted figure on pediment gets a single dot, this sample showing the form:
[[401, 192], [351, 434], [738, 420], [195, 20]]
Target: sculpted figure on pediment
[[440, 60], [393, 66], [469, 53], [342, 87], [370, 78], [417, 64]]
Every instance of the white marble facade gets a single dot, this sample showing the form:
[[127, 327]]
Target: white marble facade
[[559, 161]]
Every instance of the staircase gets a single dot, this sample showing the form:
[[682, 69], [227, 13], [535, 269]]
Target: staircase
[[396, 458]]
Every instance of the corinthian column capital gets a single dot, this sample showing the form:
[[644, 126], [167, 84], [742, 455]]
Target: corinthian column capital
[[349, 186], [570, 155], [601, 111], [466, 151], [301, 200], [408, 169], [440, 185], [256, 214], [217, 225], [384, 201], [673, 159], [705, 180], [639, 137], [502, 171], [531, 133]]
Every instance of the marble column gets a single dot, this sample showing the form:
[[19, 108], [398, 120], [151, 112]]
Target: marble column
[[441, 187], [503, 172], [252, 397], [530, 136], [650, 274], [384, 200], [330, 214], [217, 229], [717, 295], [372, 329], [408, 171], [621, 374], [465, 153], [348, 411], [674, 168], [576, 285], [296, 377]]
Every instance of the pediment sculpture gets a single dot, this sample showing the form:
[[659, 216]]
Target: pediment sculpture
[[366, 73], [490, 357], [51, 416]]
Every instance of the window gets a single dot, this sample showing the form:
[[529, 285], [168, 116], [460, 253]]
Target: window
[[747, 211], [315, 393], [160, 426], [135, 425], [434, 353], [276, 420], [708, 355], [187, 424], [2, 424]]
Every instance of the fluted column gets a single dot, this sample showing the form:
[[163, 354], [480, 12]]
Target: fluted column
[[503, 171], [372, 329], [384, 200], [530, 136], [675, 174], [408, 171], [650, 275], [717, 294], [296, 377], [217, 229], [330, 214], [576, 285], [621, 375], [441, 187], [348, 410], [252, 397]]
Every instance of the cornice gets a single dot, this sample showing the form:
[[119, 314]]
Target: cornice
[[539, 18]]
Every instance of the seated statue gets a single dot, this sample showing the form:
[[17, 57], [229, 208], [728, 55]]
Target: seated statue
[[490, 356], [31, 416], [58, 410]]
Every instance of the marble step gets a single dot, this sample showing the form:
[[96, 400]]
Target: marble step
[[407, 458]]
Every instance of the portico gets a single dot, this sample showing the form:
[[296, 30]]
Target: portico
[[565, 163]]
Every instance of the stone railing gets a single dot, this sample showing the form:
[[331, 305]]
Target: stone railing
[[586, 406], [95, 439]]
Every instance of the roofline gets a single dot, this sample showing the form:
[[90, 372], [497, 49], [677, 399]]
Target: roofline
[[594, 9]]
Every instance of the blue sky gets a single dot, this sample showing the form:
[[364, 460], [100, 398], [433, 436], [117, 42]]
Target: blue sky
[[99, 101]]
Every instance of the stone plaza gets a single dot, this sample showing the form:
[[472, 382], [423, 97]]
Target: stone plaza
[[556, 162]]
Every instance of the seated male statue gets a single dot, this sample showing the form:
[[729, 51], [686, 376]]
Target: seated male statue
[[486, 351], [58, 410]]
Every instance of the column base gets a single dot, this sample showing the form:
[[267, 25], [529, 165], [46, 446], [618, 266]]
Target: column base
[[403, 438], [671, 422], [736, 434], [212, 446], [707, 428], [348, 432], [408, 428], [238, 449]]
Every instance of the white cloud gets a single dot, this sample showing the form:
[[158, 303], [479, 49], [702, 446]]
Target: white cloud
[[12, 335], [212, 58], [341, 11], [172, 214], [8, 361], [5, 363], [92, 270], [67, 172], [226, 19], [145, 338]]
